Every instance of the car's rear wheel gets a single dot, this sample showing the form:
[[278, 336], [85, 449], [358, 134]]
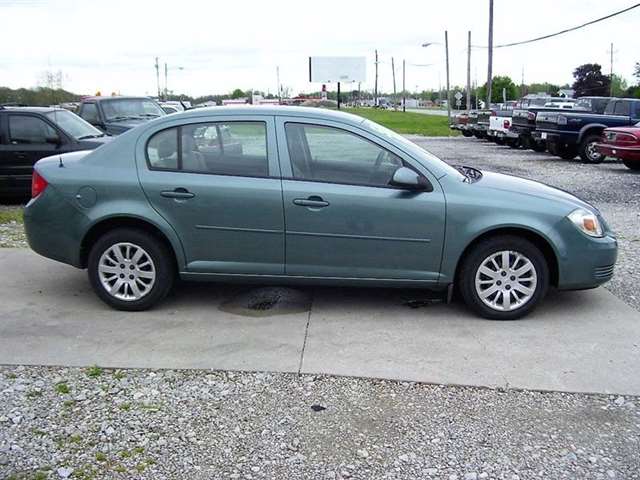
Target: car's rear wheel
[[588, 151], [467, 133], [631, 164], [130, 269], [503, 278], [513, 142], [539, 146]]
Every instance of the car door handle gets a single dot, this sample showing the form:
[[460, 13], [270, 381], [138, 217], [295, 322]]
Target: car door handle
[[179, 193], [313, 202]]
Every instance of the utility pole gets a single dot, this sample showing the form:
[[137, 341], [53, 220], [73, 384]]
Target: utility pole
[[375, 90], [393, 69], [490, 64], [446, 48], [522, 83], [158, 77], [611, 76], [469, 71], [404, 90], [166, 87], [278, 80]]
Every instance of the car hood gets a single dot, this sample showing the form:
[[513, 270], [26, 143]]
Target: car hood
[[124, 125], [523, 186], [91, 143]]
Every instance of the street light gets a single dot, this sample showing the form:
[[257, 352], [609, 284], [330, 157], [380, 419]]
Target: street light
[[166, 69]]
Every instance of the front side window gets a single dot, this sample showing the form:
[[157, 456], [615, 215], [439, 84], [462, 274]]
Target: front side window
[[90, 112], [231, 148], [25, 129], [622, 108], [330, 154]]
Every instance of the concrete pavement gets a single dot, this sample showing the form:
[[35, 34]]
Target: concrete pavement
[[577, 341]]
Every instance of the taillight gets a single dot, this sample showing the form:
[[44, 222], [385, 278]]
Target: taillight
[[38, 184], [531, 116], [506, 124]]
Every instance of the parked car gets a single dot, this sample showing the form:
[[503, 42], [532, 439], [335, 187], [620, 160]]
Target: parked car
[[622, 143], [575, 132], [28, 134], [312, 197], [461, 123], [523, 123], [114, 115], [499, 128]]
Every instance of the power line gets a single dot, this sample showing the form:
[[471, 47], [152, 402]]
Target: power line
[[544, 37]]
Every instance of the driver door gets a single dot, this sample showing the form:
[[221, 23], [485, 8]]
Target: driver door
[[342, 217]]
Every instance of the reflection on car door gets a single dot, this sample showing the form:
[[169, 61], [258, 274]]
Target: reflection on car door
[[217, 183], [343, 219]]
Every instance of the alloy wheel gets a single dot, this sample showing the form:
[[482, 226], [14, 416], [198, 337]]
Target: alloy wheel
[[126, 271], [506, 280]]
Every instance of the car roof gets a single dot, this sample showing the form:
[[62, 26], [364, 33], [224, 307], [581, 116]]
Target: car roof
[[31, 109], [274, 110], [115, 97]]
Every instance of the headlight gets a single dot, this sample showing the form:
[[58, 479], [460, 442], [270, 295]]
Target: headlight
[[586, 221], [562, 120]]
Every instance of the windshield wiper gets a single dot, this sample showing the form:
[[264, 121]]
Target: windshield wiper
[[96, 135], [148, 115]]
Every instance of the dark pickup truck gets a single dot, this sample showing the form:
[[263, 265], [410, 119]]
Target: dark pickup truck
[[523, 122], [114, 115], [571, 133]]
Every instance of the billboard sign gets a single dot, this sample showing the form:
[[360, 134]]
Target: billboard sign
[[337, 69]]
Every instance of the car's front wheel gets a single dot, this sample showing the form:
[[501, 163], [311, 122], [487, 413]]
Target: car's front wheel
[[503, 278], [130, 269]]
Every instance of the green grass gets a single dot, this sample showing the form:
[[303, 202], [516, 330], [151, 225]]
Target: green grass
[[94, 371], [11, 215], [407, 122], [62, 388]]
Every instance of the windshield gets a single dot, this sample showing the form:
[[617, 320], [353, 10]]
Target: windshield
[[131, 108], [73, 125], [414, 148]]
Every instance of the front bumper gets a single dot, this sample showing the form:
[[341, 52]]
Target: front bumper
[[623, 153], [583, 261]]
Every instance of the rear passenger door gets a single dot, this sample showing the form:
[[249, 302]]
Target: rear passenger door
[[217, 182], [28, 139]]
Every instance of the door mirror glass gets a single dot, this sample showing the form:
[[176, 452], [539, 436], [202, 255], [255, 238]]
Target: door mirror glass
[[406, 178]]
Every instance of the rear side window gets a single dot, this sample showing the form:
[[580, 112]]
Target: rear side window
[[218, 148], [25, 129], [622, 108], [90, 112]]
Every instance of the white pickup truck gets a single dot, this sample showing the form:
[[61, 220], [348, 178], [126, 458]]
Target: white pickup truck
[[499, 125]]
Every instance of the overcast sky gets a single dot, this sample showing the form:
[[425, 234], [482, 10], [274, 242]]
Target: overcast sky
[[111, 45]]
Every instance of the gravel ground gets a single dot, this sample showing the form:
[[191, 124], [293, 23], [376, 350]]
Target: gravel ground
[[610, 187], [93, 423], [12, 232]]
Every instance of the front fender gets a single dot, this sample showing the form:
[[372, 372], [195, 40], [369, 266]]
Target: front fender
[[587, 129]]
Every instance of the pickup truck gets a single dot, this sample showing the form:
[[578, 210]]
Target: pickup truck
[[523, 122], [114, 115], [499, 129], [461, 123], [571, 133]]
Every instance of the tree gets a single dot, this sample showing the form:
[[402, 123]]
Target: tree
[[590, 81], [500, 83], [237, 93], [636, 72], [545, 87], [620, 86]]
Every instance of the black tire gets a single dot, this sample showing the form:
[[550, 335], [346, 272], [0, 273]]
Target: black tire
[[513, 143], [467, 133], [539, 146], [632, 165], [526, 141], [499, 140], [466, 281], [566, 152], [552, 148], [588, 153], [162, 260]]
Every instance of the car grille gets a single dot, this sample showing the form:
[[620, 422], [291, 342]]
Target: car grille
[[603, 272]]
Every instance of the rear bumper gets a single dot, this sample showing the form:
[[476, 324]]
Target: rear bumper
[[54, 227], [623, 153]]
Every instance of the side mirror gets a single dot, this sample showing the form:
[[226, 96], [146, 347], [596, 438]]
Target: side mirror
[[53, 140], [406, 178]]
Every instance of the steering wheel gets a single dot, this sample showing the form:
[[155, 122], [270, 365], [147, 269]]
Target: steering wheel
[[376, 166]]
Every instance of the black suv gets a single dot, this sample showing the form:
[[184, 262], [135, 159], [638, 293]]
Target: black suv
[[28, 134]]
